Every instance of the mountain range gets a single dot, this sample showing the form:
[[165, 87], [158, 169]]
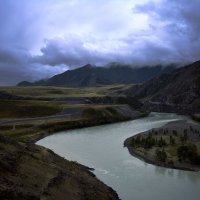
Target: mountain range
[[90, 76], [176, 88]]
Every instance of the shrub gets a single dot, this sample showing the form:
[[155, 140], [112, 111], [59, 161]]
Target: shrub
[[188, 152], [161, 142], [161, 155], [175, 132], [171, 140]]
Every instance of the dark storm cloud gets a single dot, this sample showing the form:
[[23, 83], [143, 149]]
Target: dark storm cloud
[[182, 14], [15, 41], [16, 65], [57, 52], [172, 37], [42, 38], [72, 53], [13, 65], [179, 24]]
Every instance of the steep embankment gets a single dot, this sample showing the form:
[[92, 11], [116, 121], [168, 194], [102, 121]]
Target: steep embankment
[[111, 114], [32, 172]]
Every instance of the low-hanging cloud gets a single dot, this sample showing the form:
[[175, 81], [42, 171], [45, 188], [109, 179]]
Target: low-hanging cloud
[[178, 26], [39, 39], [16, 65]]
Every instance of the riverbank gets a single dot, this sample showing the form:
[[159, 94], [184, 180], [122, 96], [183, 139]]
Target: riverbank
[[32, 131], [175, 145], [41, 174]]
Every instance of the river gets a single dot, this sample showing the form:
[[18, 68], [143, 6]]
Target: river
[[101, 147]]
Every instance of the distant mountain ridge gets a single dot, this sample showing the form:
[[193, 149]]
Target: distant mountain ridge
[[90, 76]]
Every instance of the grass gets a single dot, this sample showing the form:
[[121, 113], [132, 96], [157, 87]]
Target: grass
[[169, 148], [26, 109], [40, 173], [34, 130], [26, 131], [38, 104], [31, 131], [13, 109], [49, 92], [37, 107]]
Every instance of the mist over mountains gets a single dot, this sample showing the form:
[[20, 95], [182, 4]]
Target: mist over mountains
[[169, 86], [90, 76], [143, 32]]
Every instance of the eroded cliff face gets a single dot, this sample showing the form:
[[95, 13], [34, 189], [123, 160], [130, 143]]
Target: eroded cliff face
[[28, 171], [109, 114]]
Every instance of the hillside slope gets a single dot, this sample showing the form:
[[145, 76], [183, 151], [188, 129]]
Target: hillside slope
[[31, 172], [89, 75], [180, 87]]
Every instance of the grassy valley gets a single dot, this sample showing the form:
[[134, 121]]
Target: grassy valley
[[12, 109]]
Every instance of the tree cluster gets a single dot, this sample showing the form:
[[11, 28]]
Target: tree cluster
[[161, 155], [147, 142], [188, 153]]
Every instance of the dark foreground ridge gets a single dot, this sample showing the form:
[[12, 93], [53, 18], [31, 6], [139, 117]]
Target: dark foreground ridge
[[31, 172], [175, 145]]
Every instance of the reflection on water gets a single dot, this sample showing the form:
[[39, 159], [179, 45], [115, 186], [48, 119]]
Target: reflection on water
[[170, 172], [102, 148]]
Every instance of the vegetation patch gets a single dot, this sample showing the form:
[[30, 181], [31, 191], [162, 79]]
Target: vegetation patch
[[50, 92], [168, 146], [34, 130], [196, 117], [11, 109]]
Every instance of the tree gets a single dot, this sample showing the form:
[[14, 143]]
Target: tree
[[175, 132], [171, 140], [188, 152], [184, 137], [161, 155], [161, 142]]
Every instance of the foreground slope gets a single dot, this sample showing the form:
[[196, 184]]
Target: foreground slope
[[28, 171], [32, 172]]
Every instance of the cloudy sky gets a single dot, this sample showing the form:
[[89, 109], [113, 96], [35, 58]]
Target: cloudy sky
[[39, 38]]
